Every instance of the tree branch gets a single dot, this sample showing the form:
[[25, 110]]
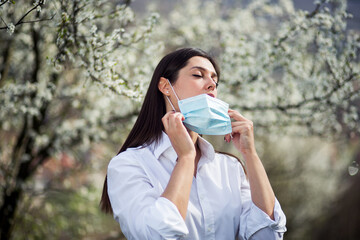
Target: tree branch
[[310, 15], [4, 22], [284, 108], [4, 2], [32, 21], [22, 18], [95, 79], [40, 20], [316, 10], [20, 21]]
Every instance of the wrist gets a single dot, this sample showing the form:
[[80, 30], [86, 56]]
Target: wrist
[[189, 157], [250, 154]]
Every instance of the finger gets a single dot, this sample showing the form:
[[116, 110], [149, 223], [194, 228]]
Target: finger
[[177, 118], [165, 118], [242, 129], [168, 114], [242, 123], [236, 115], [180, 116], [227, 137], [175, 121]]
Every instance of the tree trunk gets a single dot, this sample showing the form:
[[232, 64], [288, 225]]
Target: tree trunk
[[7, 212], [25, 144]]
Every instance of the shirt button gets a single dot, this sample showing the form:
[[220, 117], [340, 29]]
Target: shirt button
[[209, 229]]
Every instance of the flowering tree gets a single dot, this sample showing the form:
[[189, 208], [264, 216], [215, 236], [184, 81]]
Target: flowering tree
[[289, 70], [69, 77]]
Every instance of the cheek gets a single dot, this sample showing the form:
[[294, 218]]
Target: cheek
[[191, 92], [188, 90]]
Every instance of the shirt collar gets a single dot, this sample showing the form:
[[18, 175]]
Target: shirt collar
[[207, 150], [164, 144], [161, 146]]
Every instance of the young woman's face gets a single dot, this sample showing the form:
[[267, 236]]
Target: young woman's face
[[197, 77]]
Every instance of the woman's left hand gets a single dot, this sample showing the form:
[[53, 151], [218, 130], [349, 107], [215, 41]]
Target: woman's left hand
[[242, 133]]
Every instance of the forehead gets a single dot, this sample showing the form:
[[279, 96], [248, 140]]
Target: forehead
[[200, 62]]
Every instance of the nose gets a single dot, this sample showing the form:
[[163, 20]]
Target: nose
[[211, 84]]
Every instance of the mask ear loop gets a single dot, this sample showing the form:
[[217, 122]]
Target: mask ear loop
[[171, 103], [175, 96]]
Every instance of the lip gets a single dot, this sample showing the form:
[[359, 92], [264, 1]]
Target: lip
[[211, 95]]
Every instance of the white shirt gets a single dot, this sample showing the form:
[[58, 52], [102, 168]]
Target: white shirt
[[220, 205]]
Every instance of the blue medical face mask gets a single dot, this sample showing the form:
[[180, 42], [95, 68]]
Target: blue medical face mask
[[204, 114]]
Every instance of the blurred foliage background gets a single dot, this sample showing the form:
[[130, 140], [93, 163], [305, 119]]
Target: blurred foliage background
[[73, 74]]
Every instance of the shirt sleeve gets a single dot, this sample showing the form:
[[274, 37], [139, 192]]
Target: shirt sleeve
[[137, 205], [255, 223]]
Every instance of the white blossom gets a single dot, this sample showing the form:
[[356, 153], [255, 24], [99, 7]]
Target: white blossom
[[10, 28]]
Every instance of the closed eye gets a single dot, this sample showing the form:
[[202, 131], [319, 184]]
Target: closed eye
[[199, 76]]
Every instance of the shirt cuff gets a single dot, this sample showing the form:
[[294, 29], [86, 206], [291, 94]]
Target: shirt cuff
[[258, 219], [165, 218]]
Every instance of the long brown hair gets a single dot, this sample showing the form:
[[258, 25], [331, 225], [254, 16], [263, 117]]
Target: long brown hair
[[148, 126]]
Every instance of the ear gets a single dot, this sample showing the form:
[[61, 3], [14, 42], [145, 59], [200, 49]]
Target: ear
[[164, 86]]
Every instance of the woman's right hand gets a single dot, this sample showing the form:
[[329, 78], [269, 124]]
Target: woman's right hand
[[179, 136], [179, 186]]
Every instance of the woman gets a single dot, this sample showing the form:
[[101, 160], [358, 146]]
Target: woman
[[167, 182]]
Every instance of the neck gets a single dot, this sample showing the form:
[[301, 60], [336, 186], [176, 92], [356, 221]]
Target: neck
[[194, 136]]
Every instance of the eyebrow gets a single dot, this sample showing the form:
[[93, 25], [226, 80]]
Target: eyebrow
[[213, 74]]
